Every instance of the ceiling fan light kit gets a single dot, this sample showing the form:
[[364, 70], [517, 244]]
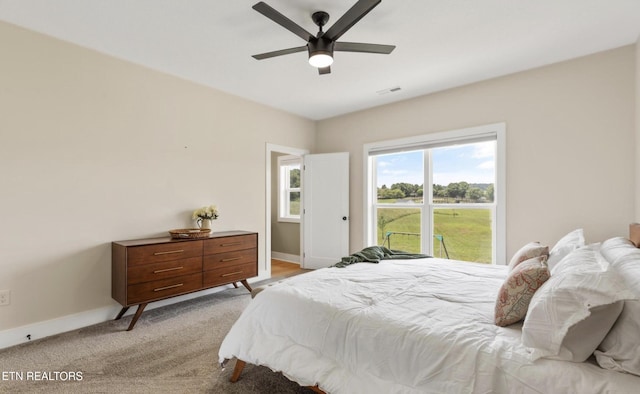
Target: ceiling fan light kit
[[322, 45], [320, 52], [320, 60]]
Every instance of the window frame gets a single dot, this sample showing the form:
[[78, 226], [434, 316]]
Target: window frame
[[285, 164], [496, 131]]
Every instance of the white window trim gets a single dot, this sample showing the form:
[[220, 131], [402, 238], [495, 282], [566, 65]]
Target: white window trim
[[496, 129], [284, 190]]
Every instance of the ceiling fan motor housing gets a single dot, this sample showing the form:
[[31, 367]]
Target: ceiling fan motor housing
[[320, 46]]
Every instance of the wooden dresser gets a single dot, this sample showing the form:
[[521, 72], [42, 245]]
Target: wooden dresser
[[147, 270]]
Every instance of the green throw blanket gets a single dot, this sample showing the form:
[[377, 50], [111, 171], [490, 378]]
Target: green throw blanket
[[373, 254]]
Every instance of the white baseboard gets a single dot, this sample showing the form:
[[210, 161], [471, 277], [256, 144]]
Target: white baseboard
[[30, 332], [290, 258]]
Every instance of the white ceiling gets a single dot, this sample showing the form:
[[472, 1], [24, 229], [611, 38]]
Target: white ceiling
[[439, 43]]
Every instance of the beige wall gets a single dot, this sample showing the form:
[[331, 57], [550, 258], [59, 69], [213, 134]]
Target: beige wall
[[637, 141], [285, 236], [570, 155], [94, 149]]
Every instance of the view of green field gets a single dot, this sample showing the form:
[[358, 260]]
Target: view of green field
[[466, 233], [294, 204]]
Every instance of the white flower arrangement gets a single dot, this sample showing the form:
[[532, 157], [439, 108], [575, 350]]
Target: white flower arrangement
[[210, 212]]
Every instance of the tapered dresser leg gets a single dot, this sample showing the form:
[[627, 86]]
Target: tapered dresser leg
[[246, 284], [122, 312], [136, 316]]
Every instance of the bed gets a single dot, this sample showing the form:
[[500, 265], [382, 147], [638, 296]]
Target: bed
[[429, 325]]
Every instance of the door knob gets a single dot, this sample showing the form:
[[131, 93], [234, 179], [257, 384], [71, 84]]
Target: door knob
[[344, 218]]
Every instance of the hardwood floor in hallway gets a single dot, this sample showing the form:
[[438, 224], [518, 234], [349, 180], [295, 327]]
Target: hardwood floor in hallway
[[285, 268]]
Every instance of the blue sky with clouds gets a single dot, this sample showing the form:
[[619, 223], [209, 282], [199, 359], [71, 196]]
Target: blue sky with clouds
[[472, 163]]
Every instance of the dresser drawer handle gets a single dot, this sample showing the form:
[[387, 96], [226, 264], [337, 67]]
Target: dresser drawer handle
[[169, 252], [231, 273], [168, 287], [231, 259], [232, 244], [167, 270]]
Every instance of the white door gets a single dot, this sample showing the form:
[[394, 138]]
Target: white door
[[325, 195]]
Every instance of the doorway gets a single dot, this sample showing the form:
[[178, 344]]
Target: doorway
[[282, 233]]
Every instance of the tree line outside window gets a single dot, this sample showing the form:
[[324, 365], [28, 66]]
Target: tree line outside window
[[455, 192]]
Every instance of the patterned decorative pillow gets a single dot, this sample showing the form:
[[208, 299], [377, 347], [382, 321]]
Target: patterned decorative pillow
[[518, 289], [529, 251]]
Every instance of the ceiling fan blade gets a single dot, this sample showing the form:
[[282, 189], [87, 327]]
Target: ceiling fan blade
[[282, 20], [362, 47], [324, 70], [281, 52], [350, 18]]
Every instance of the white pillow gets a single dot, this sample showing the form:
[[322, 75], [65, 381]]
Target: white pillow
[[617, 248], [572, 312], [566, 244], [583, 337], [620, 350]]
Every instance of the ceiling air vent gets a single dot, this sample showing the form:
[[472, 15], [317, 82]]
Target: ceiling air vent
[[389, 90]]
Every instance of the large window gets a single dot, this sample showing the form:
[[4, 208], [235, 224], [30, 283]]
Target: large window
[[289, 188], [436, 194]]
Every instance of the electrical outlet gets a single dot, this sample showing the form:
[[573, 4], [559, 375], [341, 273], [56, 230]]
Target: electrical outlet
[[5, 297]]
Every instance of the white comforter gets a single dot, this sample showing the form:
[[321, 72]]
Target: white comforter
[[401, 326]]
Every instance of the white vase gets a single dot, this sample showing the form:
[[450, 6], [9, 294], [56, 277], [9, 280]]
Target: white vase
[[204, 224]]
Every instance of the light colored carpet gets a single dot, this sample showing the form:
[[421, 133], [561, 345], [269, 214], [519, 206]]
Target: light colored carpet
[[172, 349]]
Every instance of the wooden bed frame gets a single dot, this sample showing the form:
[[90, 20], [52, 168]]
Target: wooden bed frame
[[634, 234], [240, 366]]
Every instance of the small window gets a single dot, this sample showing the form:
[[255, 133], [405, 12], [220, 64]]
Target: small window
[[289, 189]]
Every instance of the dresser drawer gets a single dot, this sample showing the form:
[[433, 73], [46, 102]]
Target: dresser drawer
[[221, 260], [229, 244], [163, 288], [158, 253], [225, 275], [167, 269]]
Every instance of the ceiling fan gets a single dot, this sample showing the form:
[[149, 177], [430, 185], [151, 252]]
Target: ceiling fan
[[322, 45]]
